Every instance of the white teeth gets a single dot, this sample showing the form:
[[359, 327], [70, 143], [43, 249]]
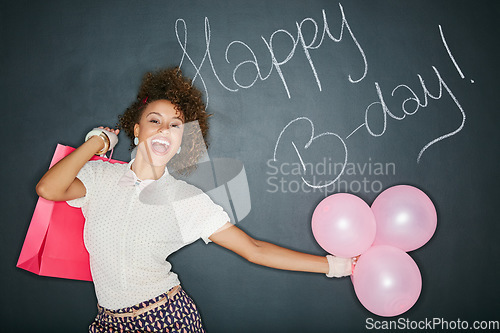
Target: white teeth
[[163, 142]]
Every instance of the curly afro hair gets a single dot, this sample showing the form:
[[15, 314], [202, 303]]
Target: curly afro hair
[[169, 84]]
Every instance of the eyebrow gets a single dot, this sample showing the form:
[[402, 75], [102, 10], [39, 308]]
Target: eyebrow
[[160, 115]]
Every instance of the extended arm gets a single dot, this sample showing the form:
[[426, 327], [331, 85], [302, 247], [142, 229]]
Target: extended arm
[[270, 255]]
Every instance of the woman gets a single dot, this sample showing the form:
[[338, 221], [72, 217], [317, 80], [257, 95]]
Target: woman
[[129, 238]]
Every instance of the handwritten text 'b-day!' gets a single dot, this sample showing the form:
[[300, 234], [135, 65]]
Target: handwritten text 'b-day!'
[[409, 106]]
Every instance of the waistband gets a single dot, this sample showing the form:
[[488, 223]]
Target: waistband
[[143, 307]]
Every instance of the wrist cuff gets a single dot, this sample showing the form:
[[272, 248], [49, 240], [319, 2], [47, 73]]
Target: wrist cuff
[[110, 139], [339, 267]]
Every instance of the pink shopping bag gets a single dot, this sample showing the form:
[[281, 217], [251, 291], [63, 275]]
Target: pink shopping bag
[[54, 242]]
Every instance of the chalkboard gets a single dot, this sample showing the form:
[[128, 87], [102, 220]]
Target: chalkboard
[[381, 92]]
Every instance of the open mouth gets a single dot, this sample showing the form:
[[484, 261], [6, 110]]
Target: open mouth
[[160, 146]]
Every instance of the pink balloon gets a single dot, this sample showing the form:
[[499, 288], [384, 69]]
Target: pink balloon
[[406, 217], [387, 281], [343, 225]]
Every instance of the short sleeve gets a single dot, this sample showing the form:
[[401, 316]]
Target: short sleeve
[[216, 218], [87, 175], [199, 216]]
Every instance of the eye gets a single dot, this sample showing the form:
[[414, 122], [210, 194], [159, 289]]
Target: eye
[[176, 125], [154, 121]]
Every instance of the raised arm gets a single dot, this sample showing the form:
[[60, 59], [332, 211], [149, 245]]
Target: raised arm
[[270, 255], [60, 183]]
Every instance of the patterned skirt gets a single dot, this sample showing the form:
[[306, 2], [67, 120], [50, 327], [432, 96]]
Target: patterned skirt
[[178, 314]]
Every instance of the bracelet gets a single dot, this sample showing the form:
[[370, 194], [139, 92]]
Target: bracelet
[[100, 133]]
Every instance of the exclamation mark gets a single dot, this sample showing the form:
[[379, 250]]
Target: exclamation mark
[[451, 55]]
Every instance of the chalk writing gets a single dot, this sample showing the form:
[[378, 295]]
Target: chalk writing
[[385, 112], [449, 52], [307, 145], [298, 40], [276, 64], [451, 55], [417, 104], [183, 45]]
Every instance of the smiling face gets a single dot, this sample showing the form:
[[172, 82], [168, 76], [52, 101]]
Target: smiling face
[[160, 132]]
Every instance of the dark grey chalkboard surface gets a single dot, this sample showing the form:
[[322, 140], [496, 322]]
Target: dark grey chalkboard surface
[[407, 91]]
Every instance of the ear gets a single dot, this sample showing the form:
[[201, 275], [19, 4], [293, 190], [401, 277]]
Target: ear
[[136, 130]]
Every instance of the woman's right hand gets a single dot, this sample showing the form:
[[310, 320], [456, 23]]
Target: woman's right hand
[[112, 135], [109, 129], [108, 135], [60, 183]]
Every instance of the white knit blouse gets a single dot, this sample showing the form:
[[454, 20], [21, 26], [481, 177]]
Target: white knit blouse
[[130, 230]]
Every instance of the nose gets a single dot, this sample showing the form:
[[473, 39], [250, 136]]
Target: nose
[[164, 129]]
